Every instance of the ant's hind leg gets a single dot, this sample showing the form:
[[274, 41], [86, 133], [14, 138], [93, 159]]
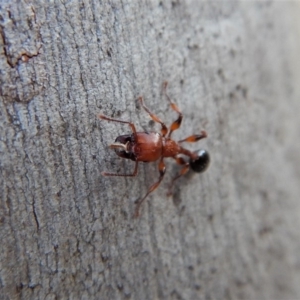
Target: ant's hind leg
[[162, 171], [184, 170], [176, 124], [164, 129], [195, 137]]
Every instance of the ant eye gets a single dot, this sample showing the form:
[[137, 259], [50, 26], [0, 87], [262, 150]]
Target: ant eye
[[201, 163]]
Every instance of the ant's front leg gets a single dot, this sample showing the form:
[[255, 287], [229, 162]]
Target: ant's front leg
[[103, 117], [117, 145], [123, 175], [162, 171]]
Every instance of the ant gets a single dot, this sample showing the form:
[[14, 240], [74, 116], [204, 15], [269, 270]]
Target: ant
[[153, 146]]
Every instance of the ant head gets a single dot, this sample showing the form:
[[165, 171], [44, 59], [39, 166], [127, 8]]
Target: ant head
[[200, 164], [122, 146]]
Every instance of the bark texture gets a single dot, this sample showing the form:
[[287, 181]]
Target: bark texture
[[67, 232]]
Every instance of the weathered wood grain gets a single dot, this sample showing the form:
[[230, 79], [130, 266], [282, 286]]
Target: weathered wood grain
[[67, 232]]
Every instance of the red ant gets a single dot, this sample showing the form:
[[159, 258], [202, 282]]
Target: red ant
[[152, 146]]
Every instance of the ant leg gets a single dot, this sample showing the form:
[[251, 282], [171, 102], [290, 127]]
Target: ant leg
[[162, 171], [195, 137], [183, 171], [123, 175], [176, 124], [164, 129], [119, 121]]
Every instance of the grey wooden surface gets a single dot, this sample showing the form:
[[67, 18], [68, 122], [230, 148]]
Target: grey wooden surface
[[67, 232]]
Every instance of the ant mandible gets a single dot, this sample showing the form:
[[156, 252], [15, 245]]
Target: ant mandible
[[153, 146]]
